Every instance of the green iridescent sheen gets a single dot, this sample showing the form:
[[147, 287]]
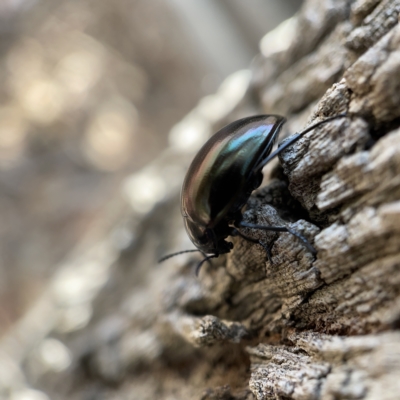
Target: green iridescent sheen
[[224, 173]]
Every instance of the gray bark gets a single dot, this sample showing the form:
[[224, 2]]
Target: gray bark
[[298, 328]]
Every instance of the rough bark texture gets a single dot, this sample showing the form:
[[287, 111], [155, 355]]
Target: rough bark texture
[[297, 328]]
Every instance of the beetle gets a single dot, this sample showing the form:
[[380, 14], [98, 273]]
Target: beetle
[[221, 178]]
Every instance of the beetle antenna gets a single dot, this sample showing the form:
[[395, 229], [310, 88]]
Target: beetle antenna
[[203, 261], [176, 254], [296, 137]]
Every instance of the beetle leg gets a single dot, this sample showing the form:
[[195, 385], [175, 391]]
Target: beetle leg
[[281, 229], [250, 239], [304, 240]]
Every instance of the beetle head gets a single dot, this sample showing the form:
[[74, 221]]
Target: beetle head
[[206, 239]]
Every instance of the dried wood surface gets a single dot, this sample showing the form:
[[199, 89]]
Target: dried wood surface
[[300, 328]]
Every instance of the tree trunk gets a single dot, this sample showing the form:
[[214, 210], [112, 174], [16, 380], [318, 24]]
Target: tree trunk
[[246, 328]]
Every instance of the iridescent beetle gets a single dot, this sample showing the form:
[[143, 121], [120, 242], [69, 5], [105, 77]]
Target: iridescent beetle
[[221, 178]]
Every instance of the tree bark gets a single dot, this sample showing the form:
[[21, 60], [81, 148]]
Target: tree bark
[[296, 328]]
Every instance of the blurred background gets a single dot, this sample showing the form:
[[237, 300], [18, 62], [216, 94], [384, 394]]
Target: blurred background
[[89, 92]]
